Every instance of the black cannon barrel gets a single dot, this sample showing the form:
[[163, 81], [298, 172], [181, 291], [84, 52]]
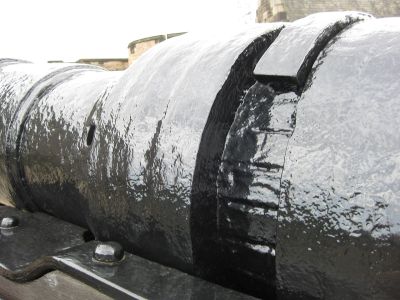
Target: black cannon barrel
[[265, 159]]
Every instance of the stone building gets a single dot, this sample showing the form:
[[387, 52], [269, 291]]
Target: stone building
[[138, 47], [290, 10], [112, 64]]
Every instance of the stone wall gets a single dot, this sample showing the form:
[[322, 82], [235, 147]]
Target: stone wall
[[112, 64], [290, 10], [138, 47]]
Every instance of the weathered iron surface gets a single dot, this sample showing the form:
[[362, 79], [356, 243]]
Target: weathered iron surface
[[249, 186], [135, 159], [339, 215], [42, 243], [36, 237], [53, 285], [295, 50], [283, 184], [20, 85], [159, 140], [254, 155], [55, 147]]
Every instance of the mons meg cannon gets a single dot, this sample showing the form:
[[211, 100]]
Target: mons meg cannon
[[262, 162]]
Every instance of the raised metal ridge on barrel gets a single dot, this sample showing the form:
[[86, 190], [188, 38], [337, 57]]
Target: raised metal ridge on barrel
[[293, 53]]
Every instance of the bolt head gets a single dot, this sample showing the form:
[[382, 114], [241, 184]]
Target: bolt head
[[109, 252], [8, 222]]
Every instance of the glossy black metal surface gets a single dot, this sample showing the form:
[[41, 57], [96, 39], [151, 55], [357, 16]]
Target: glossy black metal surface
[[283, 184], [20, 87], [42, 243], [293, 53], [57, 133], [23, 247], [254, 155], [144, 189], [110, 252], [138, 278], [9, 222], [135, 159], [339, 215], [249, 186]]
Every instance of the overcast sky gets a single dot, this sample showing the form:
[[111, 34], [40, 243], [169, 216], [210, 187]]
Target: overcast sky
[[41, 30]]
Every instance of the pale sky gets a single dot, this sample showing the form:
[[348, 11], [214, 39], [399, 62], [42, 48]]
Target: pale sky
[[42, 30]]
